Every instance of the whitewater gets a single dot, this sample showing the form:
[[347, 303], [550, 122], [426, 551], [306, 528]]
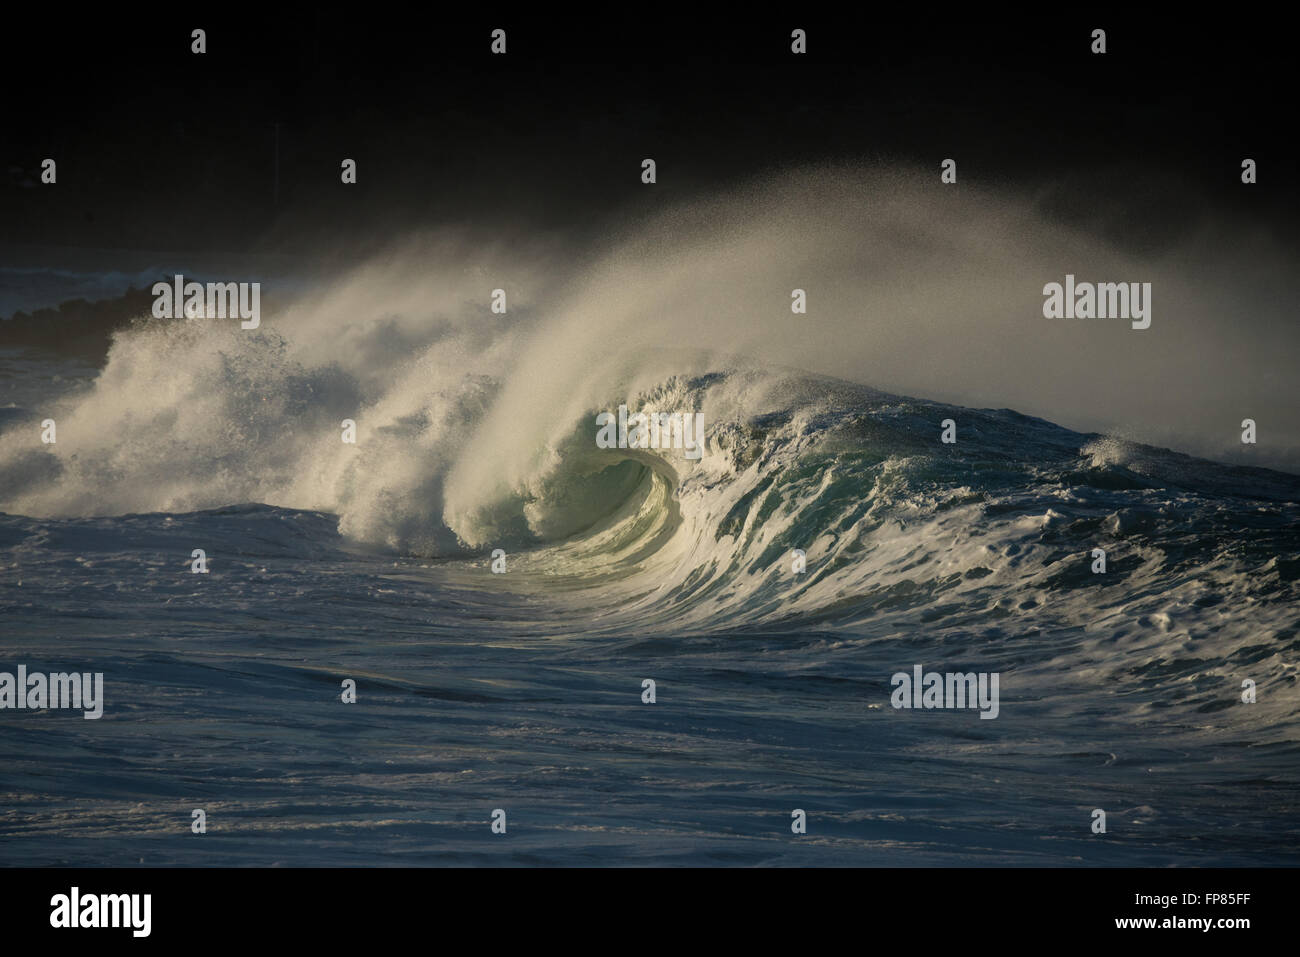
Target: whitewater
[[477, 432]]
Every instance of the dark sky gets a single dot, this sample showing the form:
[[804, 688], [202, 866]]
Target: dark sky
[[161, 149]]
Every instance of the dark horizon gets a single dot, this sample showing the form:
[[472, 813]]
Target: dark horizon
[[162, 149]]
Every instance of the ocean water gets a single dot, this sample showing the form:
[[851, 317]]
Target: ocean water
[[522, 691]]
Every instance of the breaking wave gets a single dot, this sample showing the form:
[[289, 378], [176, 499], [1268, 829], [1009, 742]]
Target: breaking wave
[[476, 430]]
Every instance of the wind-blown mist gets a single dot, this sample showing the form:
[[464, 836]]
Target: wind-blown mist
[[912, 288]]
